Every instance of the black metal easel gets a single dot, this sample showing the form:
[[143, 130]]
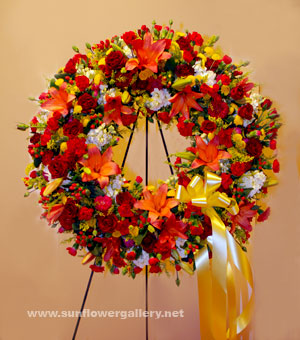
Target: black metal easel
[[146, 182]]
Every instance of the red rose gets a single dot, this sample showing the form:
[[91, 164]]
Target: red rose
[[45, 137], [103, 203], [196, 38], [273, 144], [164, 117], [87, 102], [226, 180], [125, 210], [225, 137], [183, 179], [185, 129], [125, 198], [47, 157], [266, 104], [155, 269], [70, 66], [69, 214], [276, 166], [85, 213], [211, 64], [196, 230], [237, 92], [76, 148], [227, 60], [225, 79], [82, 82], [118, 261], [115, 60], [128, 119], [53, 123], [73, 128], [238, 169], [148, 242], [184, 70], [123, 227], [59, 167], [107, 224], [219, 108], [208, 126], [131, 255], [129, 37], [246, 111], [188, 56], [254, 147], [184, 43]]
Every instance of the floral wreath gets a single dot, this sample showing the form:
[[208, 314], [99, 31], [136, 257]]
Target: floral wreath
[[175, 78]]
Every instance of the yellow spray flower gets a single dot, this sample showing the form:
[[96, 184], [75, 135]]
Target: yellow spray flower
[[77, 109]]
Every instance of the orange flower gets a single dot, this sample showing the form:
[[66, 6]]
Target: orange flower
[[183, 101], [113, 109], [59, 100], [100, 166], [148, 53], [208, 154], [158, 205]]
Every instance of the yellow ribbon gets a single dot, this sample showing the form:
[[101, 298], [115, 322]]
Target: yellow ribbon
[[219, 319]]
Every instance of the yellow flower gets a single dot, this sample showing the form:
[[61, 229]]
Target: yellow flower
[[63, 147], [134, 231], [238, 120], [97, 79], [209, 51], [85, 121], [225, 89], [126, 97], [116, 233], [151, 228], [59, 81], [77, 109], [237, 138], [101, 61], [215, 56]]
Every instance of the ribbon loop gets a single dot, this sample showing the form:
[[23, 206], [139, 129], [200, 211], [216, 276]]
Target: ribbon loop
[[216, 286]]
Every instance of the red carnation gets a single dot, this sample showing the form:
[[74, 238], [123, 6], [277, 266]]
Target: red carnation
[[164, 117], [183, 179], [184, 43], [103, 203], [115, 60], [273, 144], [129, 37], [196, 230], [59, 167], [87, 102], [53, 123], [73, 128], [246, 111], [184, 70], [226, 180], [82, 82], [266, 104], [85, 213], [69, 214], [219, 108], [125, 198], [225, 137], [185, 129], [47, 157], [123, 227], [276, 166], [70, 66], [125, 210], [139, 179], [45, 137], [97, 269], [196, 38], [238, 169], [131, 255], [212, 64], [118, 261], [128, 119], [208, 126], [254, 147], [76, 148], [107, 224], [227, 60]]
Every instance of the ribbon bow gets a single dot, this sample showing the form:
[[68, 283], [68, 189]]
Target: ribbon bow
[[217, 290]]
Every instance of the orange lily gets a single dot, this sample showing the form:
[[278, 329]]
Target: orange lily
[[59, 100], [244, 217], [208, 154], [148, 53], [54, 213], [113, 109], [100, 166], [183, 101], [158, 205]]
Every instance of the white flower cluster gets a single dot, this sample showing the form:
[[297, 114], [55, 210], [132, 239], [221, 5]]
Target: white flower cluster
[[224, 165], [179, 244], [101, 136], [127, 51], [256, 100], [159, 99], [103, 91], [142, 260], [85, 71], [209, 77], [114, 186], [252, 180]]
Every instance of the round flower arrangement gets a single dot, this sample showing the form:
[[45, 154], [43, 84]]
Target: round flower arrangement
[[176, 78]]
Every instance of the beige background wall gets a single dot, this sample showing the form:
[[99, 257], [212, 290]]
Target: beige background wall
[[36, 273]]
